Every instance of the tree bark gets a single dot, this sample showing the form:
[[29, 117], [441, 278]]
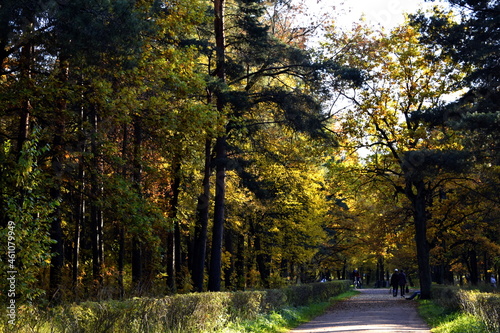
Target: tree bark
[[121, 226], [57, 162], [137, 262], [96, 218], [81, 214], [240, 263], [263, 260], [80, 220], [170, 257], [174, 255], [201, 229], [229, 269], [137, 271], [474, 272], [420, 222], [214, 279], [24, 120]]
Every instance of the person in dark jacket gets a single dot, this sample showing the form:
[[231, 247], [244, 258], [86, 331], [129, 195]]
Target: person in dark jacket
[[395, 282], [402, 282]]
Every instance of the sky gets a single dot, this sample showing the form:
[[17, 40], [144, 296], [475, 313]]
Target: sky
[[383, 13]]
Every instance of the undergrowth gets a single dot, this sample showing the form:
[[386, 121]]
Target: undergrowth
[[447, 321], [285, 319], [186, 313]]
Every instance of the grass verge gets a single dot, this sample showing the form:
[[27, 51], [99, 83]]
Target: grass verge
[[285, 319], [445, 321]]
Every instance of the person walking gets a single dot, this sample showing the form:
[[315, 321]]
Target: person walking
[[402, 282], [395, 282], [357, 279]]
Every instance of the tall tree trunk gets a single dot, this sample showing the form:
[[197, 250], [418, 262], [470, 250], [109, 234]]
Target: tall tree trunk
[[121, 259], [82, 204], [201, 228], [174, 256], [344, 269], [380, 271], [474, 272], [80, 220], [57, 249], [179, 260], [214, 278], [420, 222], [137, 262], [57, 160], [240, 263], [137, 271], [170, 257], [229, 270], [96, 221], [486, 265], [24, 120], [121, 226], [176, 186], [263, 260]]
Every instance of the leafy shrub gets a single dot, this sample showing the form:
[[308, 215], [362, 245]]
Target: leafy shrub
[[460, 323], [298, 295], [485, 306], [446, 297], [196, 312], [274, 299], [314, 292], [246, 305]]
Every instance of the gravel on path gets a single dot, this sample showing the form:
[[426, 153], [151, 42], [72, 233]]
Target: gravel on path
[[371, 311]]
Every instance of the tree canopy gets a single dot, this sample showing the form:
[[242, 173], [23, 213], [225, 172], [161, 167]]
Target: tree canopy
[[152, 147]]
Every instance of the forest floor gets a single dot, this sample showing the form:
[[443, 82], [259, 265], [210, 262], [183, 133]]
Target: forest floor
[[371, 311]]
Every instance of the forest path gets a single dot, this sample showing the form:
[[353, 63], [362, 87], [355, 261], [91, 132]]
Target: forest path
[[371, 311]]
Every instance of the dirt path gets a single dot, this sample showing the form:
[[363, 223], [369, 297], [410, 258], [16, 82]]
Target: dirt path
[[372, 311]]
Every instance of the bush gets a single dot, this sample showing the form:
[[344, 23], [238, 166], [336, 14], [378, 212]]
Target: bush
[[246, 305], [274, 299], [460, 323], [446, 297], [314, 292], [196, 312], [443, 321], [485, 306]]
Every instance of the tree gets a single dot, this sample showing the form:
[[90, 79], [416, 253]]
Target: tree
[[121, 107], [28, 212], [264, 79], [403, 78], [99, 78], [370, 230], [472, 41]]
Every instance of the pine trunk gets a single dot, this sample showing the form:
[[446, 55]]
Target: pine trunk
[[201, 229], [229, 268], [96, 221], [420, 222], [57, 162], [474, 272], [81, 206], [215, 274], [137, 262], [121, 226], [174, 257], [214, 278], [24, 120]]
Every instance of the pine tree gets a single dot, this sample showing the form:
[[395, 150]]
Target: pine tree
[[250, 66]]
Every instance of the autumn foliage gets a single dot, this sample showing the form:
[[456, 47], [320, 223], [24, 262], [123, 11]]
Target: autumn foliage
[[154, 148]]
